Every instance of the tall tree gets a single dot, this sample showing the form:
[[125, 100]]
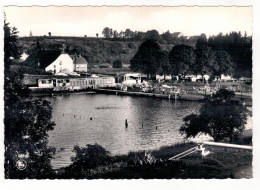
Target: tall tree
[[121, 34], [147, 58], [225, 64], [11, 48], [128, 33], [49, 33], [205, 61], [201, 41], [164, 67], [167, 37], [115, 34], [153, 35], [182, 59], [27, 122], [220, 118], [106, 32], [110, 33]]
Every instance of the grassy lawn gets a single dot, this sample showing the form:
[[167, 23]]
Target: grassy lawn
[[221, 163]]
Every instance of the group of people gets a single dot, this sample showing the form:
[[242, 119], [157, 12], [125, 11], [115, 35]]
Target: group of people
[[160, 88]]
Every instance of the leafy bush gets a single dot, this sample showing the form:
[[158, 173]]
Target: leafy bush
[[90, 156]]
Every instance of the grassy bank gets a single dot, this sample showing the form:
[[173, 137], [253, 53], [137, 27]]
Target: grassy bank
[[220, 163]]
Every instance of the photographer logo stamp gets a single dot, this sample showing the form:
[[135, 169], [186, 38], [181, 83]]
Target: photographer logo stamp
[[21, 164]]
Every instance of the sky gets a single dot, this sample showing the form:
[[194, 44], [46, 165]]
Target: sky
[[89, 20]]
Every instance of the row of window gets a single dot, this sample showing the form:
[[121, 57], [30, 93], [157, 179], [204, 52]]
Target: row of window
[[63, 81], [81, 82], [46, 81], [90, 82], [75, 82]]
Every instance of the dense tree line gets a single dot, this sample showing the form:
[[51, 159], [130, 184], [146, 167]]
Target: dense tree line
[[164, 38], [110, 33], [238, 46], [229, 54], [181, 60]]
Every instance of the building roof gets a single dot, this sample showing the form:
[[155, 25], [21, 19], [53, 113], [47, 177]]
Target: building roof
[[79, 59], [176, 34], [44, 57]]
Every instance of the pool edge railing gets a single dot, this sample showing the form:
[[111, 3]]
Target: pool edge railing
[[204, 152]]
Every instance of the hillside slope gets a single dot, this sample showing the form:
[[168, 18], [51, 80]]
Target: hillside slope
[[99, 51], [95, 50]]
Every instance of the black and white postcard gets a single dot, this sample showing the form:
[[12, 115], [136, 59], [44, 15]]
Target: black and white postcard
[[128, 91]]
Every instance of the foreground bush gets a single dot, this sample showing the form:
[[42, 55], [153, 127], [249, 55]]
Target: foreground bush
[[90, 156]]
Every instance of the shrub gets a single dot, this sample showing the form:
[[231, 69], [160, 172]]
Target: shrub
[[90, 156]]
